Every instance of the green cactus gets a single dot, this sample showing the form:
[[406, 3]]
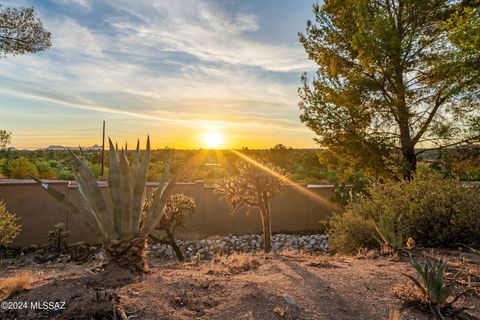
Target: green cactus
[[123, 230]]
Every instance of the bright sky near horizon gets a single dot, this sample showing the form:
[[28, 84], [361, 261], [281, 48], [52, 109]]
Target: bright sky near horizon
[[174, 69]]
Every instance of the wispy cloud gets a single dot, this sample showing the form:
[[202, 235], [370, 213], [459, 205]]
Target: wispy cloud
[[186, 63]]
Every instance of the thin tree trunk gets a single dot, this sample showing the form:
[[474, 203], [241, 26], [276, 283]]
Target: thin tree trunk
[[177, 250], [267, 230]]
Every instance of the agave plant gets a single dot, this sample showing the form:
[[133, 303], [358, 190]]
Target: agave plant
[[124, 229], [433, 284], [390, 231]]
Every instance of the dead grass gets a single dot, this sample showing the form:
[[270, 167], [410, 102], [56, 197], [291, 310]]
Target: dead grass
[[364, 253], [321, 262], [234, 264], [14, 284], [465, 275], [408, 292]]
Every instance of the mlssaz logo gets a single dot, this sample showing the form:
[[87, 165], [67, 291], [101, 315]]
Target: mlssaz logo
[[47, 305]]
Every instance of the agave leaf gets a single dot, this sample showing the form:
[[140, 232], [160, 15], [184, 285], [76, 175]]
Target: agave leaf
[[91, 213], [63, 199], [87, 181], [417, 283], [114, 186], [153, 217], [140, 182], [82, 152], [125, 196]]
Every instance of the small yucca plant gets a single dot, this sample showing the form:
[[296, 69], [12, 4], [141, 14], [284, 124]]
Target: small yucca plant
[[433, 284], [123, 230]]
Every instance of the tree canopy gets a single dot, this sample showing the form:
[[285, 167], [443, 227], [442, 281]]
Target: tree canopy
[[4, 138], [393, 76], [21, 32]]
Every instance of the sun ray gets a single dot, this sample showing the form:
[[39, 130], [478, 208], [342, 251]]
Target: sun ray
[[296, 186]]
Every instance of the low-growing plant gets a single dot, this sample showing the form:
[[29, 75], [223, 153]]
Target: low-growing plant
[[433, 284], [22, 168], [234, 264], [9, 227], [14, 284], [350, 232], [57, 245], [389, 231], [177, 208], [57, 238]]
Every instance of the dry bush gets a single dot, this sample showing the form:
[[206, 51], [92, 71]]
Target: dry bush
[[408, 292], [365, 253], [15, 284], [234, 263], [321, 262]]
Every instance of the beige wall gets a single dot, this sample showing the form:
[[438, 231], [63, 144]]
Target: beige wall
[[300, 208]]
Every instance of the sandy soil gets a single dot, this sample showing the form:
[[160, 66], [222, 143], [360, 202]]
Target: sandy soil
[[283, 286]]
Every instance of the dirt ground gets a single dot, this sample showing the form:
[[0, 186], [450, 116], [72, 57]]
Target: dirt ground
[[283, 286]]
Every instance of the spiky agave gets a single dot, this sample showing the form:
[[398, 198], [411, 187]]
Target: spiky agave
[[433, 284], [124, 229]]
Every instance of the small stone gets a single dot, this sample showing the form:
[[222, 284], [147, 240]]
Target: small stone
[[290, 301]]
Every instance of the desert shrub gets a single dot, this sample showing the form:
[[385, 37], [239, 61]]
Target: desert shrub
[[433, 210], [9, 228], [96, 169], [64, 174], [234, 264], [350, 232], [22, 168], [57, 245], [44, 169], [58, 238]]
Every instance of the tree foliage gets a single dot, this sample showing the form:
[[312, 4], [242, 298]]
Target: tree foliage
[[388, 81], [177, 209], [4, 138], [9, 228], [21, 32], [255, 184]]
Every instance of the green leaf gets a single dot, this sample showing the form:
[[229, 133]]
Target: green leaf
[[63, 199], [114, 186], [140, 182], [89, 186]]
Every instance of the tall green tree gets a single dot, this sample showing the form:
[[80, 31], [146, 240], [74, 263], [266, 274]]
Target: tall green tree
[[21, 32], [387, 82]]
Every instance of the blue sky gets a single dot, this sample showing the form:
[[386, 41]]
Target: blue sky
[[173, 69]]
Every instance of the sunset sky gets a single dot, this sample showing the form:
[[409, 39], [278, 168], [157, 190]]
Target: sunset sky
[[175, 69]]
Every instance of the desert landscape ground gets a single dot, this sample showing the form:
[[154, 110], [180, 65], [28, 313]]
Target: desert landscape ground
[[289, 285]]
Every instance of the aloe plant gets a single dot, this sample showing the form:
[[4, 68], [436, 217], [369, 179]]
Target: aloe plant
[[123, 230], [431, 281]]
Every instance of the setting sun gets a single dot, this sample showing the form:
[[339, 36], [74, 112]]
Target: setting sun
[[213, 139]]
